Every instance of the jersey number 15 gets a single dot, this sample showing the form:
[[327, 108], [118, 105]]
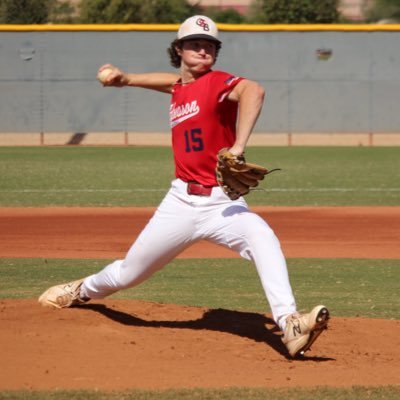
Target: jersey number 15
[[193, 140]]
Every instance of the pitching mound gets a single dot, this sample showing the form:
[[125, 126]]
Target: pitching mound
[[117, 344], [130, 344]]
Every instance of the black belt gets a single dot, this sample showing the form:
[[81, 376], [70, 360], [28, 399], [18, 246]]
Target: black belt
[[198, 189]]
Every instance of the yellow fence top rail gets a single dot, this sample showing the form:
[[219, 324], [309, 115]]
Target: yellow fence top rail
[[222, 27]]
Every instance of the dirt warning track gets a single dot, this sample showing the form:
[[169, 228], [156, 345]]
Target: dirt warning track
[[319, 232]]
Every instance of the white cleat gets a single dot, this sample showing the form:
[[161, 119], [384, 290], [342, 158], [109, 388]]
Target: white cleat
[[63, 296], [302, 330]]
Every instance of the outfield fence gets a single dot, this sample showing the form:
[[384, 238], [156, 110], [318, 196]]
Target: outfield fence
[[323, 82]]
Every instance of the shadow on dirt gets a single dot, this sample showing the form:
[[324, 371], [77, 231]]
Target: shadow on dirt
[[254, 326]]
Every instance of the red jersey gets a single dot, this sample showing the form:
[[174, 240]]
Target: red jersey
[[203, 121]]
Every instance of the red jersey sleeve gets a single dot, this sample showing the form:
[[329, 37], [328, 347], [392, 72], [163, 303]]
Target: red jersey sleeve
[[224, 83]]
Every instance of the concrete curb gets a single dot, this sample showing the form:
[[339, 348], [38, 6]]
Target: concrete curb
[[163, 139]]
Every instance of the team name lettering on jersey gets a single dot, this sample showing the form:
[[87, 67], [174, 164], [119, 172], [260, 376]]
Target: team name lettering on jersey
[[178, 114]]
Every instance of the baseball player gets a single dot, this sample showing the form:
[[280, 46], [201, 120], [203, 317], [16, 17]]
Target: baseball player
[[210, 110]]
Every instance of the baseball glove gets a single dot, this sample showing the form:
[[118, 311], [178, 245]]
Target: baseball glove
[[236, 176]]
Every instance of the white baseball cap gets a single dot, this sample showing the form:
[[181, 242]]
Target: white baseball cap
[[198, 27]]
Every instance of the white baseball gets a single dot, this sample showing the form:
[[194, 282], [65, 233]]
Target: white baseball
[[103, 74]]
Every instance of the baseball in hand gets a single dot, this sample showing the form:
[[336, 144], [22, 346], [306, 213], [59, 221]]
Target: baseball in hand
[[103, 74]]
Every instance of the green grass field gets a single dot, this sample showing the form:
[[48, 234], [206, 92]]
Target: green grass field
[[350, 288], [132, 176]]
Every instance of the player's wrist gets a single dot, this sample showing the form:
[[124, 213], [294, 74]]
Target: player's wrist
[[126, 79], [236, 150]]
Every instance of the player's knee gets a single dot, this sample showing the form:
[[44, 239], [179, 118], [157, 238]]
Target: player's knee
[[133, 273], [262, 234]]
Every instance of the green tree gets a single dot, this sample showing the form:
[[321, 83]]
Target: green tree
[[167, 11], [136, 11], [295, 12], [24, 11], [226, 16], [384, 10], [110, 11], [62, 12]]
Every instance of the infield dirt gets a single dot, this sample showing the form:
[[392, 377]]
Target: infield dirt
[[119, 344]]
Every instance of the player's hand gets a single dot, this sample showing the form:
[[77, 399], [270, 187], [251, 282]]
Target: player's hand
[[109, 75], [236, 150]]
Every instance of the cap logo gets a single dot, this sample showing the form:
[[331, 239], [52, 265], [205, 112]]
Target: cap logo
[[203, 24]]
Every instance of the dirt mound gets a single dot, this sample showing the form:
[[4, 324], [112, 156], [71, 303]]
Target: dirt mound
[[116, 344], [130, 344]]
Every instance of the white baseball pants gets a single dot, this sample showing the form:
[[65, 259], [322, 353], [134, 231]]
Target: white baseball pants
[[182, 219]]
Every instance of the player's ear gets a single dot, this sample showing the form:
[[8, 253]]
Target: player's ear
[[178, 47], [178, 50]]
